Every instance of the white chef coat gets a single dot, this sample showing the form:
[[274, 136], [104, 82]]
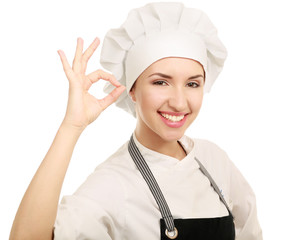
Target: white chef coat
[[116, 203]]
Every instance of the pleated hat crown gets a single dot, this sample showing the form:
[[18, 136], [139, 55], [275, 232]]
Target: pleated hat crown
[[156, 31]]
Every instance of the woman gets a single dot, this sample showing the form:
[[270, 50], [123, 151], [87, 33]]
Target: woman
[[160, 184]]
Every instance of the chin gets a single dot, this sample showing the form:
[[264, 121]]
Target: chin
[[172, 135]]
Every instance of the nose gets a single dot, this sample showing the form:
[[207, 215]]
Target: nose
[[178, 100]]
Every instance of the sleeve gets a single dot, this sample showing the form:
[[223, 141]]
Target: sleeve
[[94, 211], [79, 218], [243, 207]]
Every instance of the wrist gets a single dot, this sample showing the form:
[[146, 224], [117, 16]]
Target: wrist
[[65, 125]]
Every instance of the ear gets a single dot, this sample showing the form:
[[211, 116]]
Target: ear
[[132, 94]]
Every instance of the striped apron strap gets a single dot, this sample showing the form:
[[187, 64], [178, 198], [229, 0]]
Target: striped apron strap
[[213, 183], [152, 184]]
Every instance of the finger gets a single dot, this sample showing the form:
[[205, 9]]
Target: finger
[[88, 53], [76, 66], [66, 67], [111, 97], [100, 74]]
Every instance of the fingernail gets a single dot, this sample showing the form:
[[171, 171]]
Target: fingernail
[[79, 39], [96, 39]]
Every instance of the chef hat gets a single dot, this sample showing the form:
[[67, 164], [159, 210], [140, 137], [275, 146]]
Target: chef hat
[[156, 31]]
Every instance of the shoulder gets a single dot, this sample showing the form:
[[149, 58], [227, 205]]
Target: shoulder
[[117, 162], [213, 157], [203, 148], [207, 147], [109, 177]]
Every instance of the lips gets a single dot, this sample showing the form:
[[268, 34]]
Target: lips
[[173, 119]]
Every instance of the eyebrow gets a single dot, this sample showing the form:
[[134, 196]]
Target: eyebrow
[[169, 77]]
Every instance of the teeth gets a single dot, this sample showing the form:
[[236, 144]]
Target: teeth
[[172, 117]]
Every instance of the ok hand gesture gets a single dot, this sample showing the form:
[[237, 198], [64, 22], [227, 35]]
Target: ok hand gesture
[[82, 107]]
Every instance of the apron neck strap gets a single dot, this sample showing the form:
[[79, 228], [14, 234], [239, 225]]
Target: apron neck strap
[[152, 184], [213, 183]]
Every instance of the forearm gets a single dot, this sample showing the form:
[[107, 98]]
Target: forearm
[[37, 211]]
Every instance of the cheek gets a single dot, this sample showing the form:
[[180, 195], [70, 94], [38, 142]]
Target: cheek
[[196, 101], [150, 99]]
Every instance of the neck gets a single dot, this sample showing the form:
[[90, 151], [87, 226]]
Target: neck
[[156, 143]]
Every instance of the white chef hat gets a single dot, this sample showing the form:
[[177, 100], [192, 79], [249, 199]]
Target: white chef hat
[[156, 31]]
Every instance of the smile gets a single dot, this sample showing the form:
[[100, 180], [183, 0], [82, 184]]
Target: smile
[[172, 118]]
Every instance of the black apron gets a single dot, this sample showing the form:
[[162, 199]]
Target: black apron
[[219, 228]]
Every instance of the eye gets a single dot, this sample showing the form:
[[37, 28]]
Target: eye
[[160, 82], [193, 84]]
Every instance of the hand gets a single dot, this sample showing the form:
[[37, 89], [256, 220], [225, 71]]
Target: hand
[[82, 107]]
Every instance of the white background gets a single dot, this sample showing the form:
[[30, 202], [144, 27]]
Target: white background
[[244, 113]]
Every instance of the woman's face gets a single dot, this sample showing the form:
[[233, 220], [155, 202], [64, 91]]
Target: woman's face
[[168, 97]]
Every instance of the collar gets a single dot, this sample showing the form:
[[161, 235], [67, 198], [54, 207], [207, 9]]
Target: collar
[[156, 159]]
